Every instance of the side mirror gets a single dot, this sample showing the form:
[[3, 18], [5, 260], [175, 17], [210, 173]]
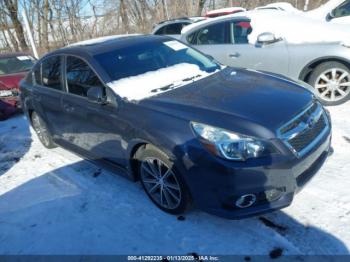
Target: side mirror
[[96, 94], [267, 38], [330, 15]]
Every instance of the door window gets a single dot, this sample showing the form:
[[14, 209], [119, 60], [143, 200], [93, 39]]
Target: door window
[[240, 32], [342, 10], [51, 73], [80, 77], [37, 74], [211, 35]]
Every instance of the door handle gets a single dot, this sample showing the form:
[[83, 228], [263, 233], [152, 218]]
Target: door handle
[[235, 55], [68, 108]]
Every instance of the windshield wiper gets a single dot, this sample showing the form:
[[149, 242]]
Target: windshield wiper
[[191, 78], [164, 88], [172, 86]]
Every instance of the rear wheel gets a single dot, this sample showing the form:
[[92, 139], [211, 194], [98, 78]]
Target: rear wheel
[[161, 181], [42, 131], [331, 81]]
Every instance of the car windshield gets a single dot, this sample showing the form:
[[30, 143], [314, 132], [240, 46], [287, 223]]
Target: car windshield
[[12, 65], [152, 56]]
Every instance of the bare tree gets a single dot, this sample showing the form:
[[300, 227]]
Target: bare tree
[[200, 8], [124, 15], [12, 10], [44, 25]]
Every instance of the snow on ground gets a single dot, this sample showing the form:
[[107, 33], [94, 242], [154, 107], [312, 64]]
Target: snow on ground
[[53, 202]]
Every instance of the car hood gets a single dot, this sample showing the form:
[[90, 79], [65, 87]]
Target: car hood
[[11, 81], [230, 95]]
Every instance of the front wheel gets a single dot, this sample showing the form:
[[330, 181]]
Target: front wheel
[[161, 181], [42, 131], [331, 81]]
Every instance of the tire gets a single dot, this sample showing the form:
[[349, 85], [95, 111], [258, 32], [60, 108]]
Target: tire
[[166, 188], [331, 81], [42, 132]]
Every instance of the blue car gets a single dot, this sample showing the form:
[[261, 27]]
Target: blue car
[[233, 142]]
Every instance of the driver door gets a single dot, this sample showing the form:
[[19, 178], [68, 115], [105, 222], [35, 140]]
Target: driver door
[[228, 42], [89, 127], [271, 57]]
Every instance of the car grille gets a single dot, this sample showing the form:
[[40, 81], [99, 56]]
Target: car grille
[[304, 131]]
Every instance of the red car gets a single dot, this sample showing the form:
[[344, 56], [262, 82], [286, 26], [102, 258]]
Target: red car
[[224, 11], [13, 68]]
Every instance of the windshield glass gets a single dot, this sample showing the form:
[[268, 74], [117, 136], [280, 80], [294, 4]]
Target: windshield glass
[[12, 65], [152, 56], [151, 68]]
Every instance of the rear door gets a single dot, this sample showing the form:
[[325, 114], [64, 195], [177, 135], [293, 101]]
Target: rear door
[[89, 126], [47, 92]]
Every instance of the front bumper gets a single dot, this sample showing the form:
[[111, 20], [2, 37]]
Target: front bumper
[[216, 184], [9, 106]]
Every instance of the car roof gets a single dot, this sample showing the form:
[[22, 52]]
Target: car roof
[[104, 44], [13, 54], [239, 15]]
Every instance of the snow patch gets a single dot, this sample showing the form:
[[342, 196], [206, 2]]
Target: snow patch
[[283, 6], [295, 29], [155, 82], [322, 11]]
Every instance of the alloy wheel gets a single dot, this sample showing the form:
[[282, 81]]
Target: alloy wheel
[[333, 84], [161, 183]]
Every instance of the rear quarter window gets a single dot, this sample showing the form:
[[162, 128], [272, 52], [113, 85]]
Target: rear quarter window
[[51, 73], [37, 74]]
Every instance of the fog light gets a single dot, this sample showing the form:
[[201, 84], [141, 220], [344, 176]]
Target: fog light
[[273, 194], [246, 201]]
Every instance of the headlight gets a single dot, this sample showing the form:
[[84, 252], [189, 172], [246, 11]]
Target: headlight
[[229, 145], [5, 93]]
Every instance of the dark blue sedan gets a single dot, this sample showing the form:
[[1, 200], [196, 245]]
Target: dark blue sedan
[[234, 142]]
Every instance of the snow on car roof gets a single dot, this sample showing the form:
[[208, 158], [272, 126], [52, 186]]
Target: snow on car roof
[[293, 27], [324, 9], [280, 6]]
